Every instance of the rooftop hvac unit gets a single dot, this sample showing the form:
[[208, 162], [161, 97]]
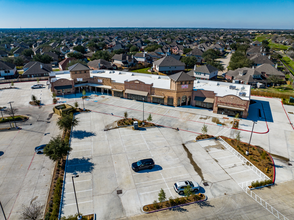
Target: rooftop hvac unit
[[242, 94], [242, 88], [232, 87]]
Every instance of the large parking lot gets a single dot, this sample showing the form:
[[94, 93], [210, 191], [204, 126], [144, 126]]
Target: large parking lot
[[103, 161]]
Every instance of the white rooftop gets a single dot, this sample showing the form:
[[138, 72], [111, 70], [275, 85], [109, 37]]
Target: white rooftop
[[162, 82], [222, 88]]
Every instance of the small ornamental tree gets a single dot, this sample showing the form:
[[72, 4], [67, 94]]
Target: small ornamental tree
[[161, 196], [32, 212], [126, 114], [204, 129], [76, 104], [12, 83], [187, 191], [38, 80], [66, 122], [57, 148], [149, 118], [238, 138]]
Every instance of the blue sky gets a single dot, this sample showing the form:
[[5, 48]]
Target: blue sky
[[150, 13]]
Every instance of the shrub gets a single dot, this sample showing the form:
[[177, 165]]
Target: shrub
[[126, 114], [155, 204], [187, 191], [177, 200], [263, 155], [195, 197], [171, 201], [182, 200]]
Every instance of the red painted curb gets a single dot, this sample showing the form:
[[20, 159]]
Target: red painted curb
[[287, 115], [274, 175]]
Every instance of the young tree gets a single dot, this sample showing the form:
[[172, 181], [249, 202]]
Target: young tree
[[76, 104], [12, 84], [57, 148], [34, 98], [274, 79], [38, 80], [238, 138], [126, 114], [32, 212], [83, 97], [66, 122], [149, 117], [204, 129], [188, 191], [161, 196]]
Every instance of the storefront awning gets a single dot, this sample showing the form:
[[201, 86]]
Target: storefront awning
[[209, 100], [117, 90], [158, 96], [93, 85], [63, 87], [231, 107], [136, 92], [201, 99]]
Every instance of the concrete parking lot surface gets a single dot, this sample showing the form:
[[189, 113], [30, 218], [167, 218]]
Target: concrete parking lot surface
[[25, 176]]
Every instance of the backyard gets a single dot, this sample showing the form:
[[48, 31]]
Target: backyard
[[143, 70]]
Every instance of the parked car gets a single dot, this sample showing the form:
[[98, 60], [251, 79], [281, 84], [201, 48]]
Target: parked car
[[143, 164], [40, 149], [180, 186], [37, 86]]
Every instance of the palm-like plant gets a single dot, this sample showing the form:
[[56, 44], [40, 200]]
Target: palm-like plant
[[67, 121], [57, 148]]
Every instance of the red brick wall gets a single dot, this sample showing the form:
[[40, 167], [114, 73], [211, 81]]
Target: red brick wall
[[62, 82]]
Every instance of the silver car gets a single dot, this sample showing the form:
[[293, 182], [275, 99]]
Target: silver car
[[37, 86], [180, 186], [40, 149]]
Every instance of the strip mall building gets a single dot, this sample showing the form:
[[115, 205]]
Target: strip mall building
[[178, 89]]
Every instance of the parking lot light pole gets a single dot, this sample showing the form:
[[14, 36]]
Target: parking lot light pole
[[143, 112], [72, 177], [3, 211], [247, 152], [12, 113]]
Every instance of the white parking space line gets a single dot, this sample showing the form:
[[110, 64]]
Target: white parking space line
[[154, 191], [224, 157], [148, 181], [80, 191], [239, 172], [231, 164], [80, 150], [79, 203], [166, 184], [80, 181], [215, 151], [178, 176]]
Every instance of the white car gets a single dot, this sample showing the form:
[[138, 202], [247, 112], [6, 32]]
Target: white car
[[180, 186], [37, 86]]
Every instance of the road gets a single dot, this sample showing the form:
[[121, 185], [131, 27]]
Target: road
[[225, 61]]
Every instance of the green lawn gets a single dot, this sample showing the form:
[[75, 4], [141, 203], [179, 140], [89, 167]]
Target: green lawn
[[288, 61], [262, 37], [284, 89], [272, 45], [143, 70]]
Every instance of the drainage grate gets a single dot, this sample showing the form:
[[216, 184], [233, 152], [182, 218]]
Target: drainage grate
[[119, 191], [205, 184]]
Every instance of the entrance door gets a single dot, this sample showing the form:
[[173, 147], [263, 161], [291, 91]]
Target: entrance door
[[170, 101], [184, 100]]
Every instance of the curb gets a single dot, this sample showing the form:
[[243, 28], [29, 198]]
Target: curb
[[169, 208], [287, 115]]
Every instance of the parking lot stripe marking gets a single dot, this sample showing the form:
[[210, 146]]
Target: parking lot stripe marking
[[178, 176], [215, 151], [148, 181], [80, 191], [79, 181], [239, 172], [166, 184], [79, 203], [230, 164], [152, 191], [224, 157], [80, 150]]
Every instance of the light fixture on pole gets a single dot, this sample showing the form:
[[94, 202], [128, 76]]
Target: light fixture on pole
[[247, 152], [72, 177]]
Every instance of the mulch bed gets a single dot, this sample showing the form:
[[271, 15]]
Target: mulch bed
[[174, 202], [256, 156], [203, 136], [130, 121]]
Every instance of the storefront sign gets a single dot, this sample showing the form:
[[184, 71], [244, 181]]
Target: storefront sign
[[100, 80], [184, 86], [80, 79]]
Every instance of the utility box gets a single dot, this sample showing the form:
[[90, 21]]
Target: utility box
[[136, 127]]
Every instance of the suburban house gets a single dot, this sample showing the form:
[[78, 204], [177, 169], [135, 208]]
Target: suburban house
[[100, 64], [7, 70], [18, 52], [196, 53], [142, 58], [122, 60], [256, 43], [254, 76], [3, 53], [36, 69], [54, 57], [205, 72], [177, 89], [260, 59], [64, 50], [64, 63], [168, 65]]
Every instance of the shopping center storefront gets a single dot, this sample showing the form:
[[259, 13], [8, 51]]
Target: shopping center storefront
[[136, 95], [204, 102]]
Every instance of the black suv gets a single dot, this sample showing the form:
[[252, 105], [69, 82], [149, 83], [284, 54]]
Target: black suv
[[143, 164]]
